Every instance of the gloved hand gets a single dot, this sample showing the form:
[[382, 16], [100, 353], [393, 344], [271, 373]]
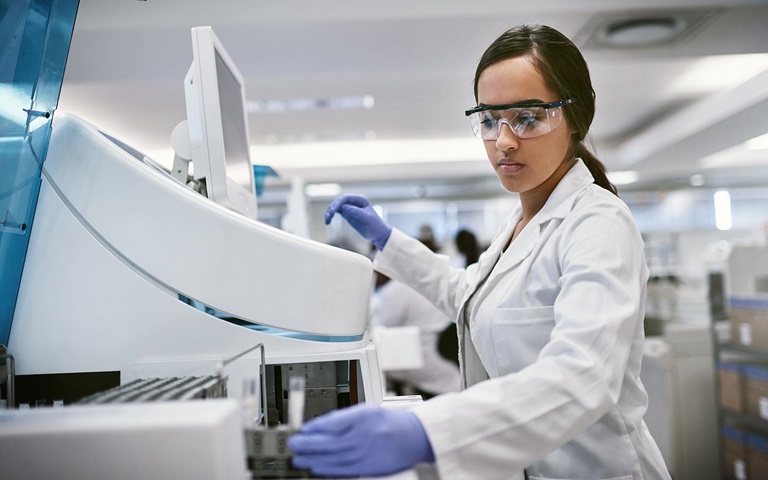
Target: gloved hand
[[363, 440], [357, 210]]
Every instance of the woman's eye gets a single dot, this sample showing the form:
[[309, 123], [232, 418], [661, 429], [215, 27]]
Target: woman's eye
[[487, 122], [528, 119]]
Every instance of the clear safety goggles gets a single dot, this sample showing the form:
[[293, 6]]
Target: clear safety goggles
[[526, 119]]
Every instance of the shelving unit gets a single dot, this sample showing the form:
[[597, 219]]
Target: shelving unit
[[741, 362]]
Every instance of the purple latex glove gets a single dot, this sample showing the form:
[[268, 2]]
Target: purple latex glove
[[357, 210], [363, 440]]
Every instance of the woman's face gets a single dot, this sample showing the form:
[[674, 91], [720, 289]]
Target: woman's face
[[523, 165]]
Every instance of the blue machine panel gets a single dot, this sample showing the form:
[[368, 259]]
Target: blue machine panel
[[34, 43]]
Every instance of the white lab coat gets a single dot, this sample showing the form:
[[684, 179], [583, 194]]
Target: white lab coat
[[558, 329], [397, 305]]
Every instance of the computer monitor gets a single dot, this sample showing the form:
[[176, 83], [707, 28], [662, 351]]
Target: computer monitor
[[218, 124]]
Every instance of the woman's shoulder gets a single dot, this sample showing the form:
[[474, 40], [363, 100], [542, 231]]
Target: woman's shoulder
[[595, 208], [595, 197]]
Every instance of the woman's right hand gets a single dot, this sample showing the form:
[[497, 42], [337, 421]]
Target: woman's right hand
[[357, 210]]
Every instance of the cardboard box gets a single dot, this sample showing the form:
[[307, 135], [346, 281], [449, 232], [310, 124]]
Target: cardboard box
[[731, 385], [735, 453], [749, 321], [757, 456], [756, 391]]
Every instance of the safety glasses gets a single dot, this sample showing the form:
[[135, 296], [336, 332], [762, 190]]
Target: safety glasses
[[525, 119]]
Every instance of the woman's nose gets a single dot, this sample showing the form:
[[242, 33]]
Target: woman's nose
[[506, 140]]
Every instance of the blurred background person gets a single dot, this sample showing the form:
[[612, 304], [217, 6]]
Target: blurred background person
[[427, 237], [469, 250], [397, 305], [467, 246]]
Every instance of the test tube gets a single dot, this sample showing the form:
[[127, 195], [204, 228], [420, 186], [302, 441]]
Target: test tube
[[250, 403], [296, 402]]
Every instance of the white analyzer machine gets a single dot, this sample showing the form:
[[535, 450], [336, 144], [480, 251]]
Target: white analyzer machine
[[134, 271], [121, 253], [131, 270]]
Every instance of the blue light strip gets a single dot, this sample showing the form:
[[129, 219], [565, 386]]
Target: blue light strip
[[278, 332]]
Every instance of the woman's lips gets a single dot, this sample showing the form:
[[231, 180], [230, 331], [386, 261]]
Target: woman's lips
[[510, 167]]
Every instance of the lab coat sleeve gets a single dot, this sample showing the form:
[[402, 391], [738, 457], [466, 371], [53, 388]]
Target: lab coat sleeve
[[407, 260], [511, 422]]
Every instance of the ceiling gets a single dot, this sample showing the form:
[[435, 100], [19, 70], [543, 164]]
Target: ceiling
[[667, 111]]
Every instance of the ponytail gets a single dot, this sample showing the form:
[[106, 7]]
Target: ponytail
[[596, 168]]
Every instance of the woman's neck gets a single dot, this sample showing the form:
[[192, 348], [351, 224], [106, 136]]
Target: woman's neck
[[533, 200]]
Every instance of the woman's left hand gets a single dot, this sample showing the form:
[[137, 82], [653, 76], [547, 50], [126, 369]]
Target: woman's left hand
[[362, 440]]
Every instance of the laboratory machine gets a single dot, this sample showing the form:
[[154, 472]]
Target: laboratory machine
[[137, 271]]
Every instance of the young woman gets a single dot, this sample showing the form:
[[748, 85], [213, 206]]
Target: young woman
[[550, 319]]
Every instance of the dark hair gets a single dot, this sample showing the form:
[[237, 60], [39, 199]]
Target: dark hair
[[565, 72]]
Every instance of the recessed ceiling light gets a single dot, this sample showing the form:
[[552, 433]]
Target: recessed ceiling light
[[696, 180], [645, 29], [641, 32]]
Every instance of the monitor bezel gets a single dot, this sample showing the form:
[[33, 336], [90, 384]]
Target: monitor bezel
[[206, 129]]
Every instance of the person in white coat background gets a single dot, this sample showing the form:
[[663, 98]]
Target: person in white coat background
[[398, 305], [550, 319], [395, 304]]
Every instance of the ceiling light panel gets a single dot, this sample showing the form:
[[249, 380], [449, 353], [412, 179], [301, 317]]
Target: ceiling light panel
[[306, 104], [639, 30]]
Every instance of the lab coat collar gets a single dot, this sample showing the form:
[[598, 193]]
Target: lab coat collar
[[560, 202], [521, 247], [558, 205], [491, 257]]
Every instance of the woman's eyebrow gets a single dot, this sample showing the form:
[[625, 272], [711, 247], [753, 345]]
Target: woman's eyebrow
[[521, 103]]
